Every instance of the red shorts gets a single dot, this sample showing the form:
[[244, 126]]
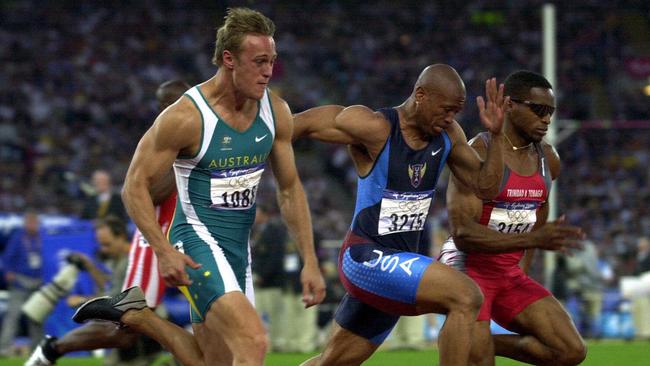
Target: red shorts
[[142, 269], [506, 294]]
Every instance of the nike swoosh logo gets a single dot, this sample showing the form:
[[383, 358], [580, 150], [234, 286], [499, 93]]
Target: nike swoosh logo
[[258, 139], [433, 153]]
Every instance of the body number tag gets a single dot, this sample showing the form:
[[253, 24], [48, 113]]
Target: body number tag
[[403, 211], [235, 189]]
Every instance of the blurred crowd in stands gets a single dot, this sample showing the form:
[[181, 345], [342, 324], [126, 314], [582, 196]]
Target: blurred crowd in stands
[[78, 79]]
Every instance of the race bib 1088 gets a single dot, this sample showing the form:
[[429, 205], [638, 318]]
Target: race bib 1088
[[235, 189], [403, 211]]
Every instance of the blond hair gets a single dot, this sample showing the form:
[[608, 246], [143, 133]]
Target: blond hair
[[240, 22]]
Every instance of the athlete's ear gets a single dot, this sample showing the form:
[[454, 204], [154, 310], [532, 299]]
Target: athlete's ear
[[228, 59], [420, 94]]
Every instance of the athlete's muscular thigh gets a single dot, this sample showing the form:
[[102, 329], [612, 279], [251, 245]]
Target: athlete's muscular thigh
[[233, 318], [547, 321], [442, 287]]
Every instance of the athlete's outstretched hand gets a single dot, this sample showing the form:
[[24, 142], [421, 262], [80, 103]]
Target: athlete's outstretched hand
[[172, 268], [557, 235], [313, 285], [493, 111]]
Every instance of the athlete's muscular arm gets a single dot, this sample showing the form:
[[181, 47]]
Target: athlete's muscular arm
[[483, 177], [293, 204], [464, 214], [356, 125], [161, 189], [465, 211], [176, 130], [318, 123], [542, 218], [362, 129]]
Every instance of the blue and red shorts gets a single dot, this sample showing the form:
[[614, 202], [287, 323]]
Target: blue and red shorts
[[382, 284]]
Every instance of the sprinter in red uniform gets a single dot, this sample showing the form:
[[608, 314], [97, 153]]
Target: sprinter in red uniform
[[493, 236], [142, 270]]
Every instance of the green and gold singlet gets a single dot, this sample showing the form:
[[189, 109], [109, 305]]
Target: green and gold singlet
[[216, 202]]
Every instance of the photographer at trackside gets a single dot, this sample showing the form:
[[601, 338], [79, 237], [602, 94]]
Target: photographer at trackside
[[113, 240]]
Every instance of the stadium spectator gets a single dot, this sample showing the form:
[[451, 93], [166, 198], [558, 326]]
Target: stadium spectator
[[584, 280], [641, 304], [269, 244], [104, 201], [23, 272], [299, 325]]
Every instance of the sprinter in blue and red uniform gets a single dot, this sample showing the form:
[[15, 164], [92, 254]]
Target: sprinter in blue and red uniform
[[399, 154]]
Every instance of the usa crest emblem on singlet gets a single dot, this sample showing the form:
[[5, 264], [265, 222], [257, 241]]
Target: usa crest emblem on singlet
[[416, 173]]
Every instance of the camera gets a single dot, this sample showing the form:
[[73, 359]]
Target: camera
[[42, 302], [76, 259]]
